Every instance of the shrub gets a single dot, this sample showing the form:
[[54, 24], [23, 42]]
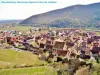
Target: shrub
[[83, 71]]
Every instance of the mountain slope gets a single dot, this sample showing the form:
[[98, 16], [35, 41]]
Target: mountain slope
[[77, 15]]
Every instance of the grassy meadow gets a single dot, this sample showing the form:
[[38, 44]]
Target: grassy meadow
[[20, 28], [29, 71], [22, 63], [11, 58]]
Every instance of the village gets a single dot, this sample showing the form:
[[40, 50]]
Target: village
[[73, 48]]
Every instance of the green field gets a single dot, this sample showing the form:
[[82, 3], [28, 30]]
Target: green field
[[22, 63], [21, 28], [29, 71], [10, 58]]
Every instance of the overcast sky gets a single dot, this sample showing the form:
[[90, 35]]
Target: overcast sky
[[25, 10]]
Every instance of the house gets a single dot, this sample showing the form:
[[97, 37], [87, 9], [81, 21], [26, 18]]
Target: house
[[59, 44]]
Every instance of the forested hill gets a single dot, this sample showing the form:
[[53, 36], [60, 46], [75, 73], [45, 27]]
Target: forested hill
[[77, 16]]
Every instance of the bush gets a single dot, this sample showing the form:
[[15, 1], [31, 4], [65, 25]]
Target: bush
[[83, 71]]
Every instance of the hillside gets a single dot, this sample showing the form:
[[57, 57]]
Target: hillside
[[77, 16], [11, 58]]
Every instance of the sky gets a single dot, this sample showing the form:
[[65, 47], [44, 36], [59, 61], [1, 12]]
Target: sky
[[10, 11]]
